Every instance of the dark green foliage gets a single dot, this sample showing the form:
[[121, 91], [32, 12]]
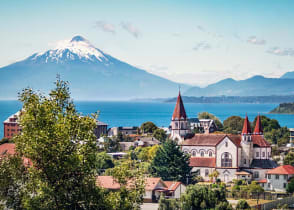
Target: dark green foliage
[[148, 127], [242, 204], [111, 144], [233, 124], [204, 197], [290, 186], [103, 161], [160, 135], [168, 204], [289, 159], [5, 140], [170, 163], [284, 108]]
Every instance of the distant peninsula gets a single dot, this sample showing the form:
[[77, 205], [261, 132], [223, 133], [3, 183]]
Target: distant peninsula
[[284, 108]]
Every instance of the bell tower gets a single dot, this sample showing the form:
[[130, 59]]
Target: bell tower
[[179, 122], [246, 142]]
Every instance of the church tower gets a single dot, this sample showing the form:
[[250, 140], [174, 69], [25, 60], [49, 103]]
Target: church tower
[[179, 122], [258, 127], [247, 145]]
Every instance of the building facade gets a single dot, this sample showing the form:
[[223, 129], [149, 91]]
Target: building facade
[[12, 126]]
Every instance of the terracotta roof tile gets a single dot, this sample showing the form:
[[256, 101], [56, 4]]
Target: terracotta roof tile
[[259, 141], [211, 139], [285, 169], [262, 181], [258, 127], [171, 185], [107, 182], [152, 182], [202, 162], [246, 126], [7, 149], [179, 112]]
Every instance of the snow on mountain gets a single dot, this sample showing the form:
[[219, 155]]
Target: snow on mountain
[[78, 48]]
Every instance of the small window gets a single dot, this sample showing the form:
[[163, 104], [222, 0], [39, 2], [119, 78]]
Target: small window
[[269, 154], [210, 154], [244, 161], [256, 174], [285, 185], [277, 176], [263, 154], [257, 154], [269, 176], [206, 172], [268, 185], [285, 177], [262, 184], [193, 153], [202, 154], [226, 144]]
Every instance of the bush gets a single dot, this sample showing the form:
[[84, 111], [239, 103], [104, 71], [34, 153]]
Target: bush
[[242, 204]]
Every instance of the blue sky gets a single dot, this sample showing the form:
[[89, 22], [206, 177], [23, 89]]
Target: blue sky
[[194, 42]]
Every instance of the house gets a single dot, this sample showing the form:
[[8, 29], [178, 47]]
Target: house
[[125, 146], [9, 149], [154, 186], [124, 130], [12, 126], [101, 129], [146, 141], [234, 156], [277, 178], [204, 125]]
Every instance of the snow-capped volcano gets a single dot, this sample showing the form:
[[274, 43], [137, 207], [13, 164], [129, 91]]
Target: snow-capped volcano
[[77, 48], [92, 74]]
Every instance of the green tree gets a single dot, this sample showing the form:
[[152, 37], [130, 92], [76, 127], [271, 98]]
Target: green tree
[[168, 204], [111, 144], [148, 127], [103, 161], [206, 115], [62, 147], [203, 197], [242, 204], [290, 186], [233, 124], [289, 159], [255, 188], [160, 134], [170, 163], [214, 175]]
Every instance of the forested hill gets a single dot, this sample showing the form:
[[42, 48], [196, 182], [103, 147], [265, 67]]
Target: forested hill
[[284, 108], [235, 99]]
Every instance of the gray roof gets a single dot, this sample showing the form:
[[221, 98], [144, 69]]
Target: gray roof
[[263, 163]]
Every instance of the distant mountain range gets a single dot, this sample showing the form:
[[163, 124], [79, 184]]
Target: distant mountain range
[[93, 74], [254, 86]]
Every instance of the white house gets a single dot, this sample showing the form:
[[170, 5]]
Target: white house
[[278, 178]]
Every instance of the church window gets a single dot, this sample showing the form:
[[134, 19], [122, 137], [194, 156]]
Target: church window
[[277, 176], [226, 159], [269, 185], [210, 154], [226, 144], [193, 153], [182, 125], [269, 176], [186, 151], [269, 154], [206, 172], [263, 154], [256, 174], [202, 154], [257, 154], [176, 125]]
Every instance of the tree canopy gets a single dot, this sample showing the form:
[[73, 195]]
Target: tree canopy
[[233, 124], [148, 127], [160, 134], [170, 163]]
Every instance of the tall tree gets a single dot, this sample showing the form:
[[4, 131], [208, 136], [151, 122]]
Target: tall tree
[[148, 127], [160, 134], [233, 124], [62, 147], [170, 163]]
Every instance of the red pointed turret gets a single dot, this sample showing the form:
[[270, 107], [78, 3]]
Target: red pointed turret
[[246, 126], [258, 127], [179, 112]]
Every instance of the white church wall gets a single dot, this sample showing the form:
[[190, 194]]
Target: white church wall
[[226, 145], [198, 149]]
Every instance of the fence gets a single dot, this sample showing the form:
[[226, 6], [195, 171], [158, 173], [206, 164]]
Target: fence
[[274, 204]]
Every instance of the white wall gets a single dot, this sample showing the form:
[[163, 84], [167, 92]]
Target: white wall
[[179, 191], [198, 150], [261, 152], [276, 184], [230, 148]]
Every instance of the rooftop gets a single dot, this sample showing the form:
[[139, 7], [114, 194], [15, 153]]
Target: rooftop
[[285, 169], [202, 162]]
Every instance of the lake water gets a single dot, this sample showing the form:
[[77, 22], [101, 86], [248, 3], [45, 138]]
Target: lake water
[[135, 113]]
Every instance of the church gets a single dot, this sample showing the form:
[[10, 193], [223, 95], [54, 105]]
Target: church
[[245, 156]]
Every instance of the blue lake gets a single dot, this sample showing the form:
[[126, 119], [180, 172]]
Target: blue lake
[[135, 113]]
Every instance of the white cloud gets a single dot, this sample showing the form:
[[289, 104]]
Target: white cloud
[[129, 27], [200, 28], [202, 46], [281, 52], [256, 41], [107, 27]]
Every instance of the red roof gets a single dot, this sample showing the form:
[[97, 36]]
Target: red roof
[[246, 126], [202, 162], [152, 182], [7, 149], [179, 112], [107, 182], [171, 185], [211, 139], [263, 181], [258, 127], [260, 141], [285, 169]]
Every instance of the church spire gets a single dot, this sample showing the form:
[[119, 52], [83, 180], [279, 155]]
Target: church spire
[[258, 127], [179, 112], [246, 126]]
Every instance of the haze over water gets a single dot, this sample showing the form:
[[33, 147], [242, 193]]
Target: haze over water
[[135, 113]]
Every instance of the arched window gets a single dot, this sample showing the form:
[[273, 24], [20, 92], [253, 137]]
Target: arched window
[[193, 153], [210, 153], [226, 144], [202, 153], [186, 151], [182, 125], [226, 159], [176, 125]]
